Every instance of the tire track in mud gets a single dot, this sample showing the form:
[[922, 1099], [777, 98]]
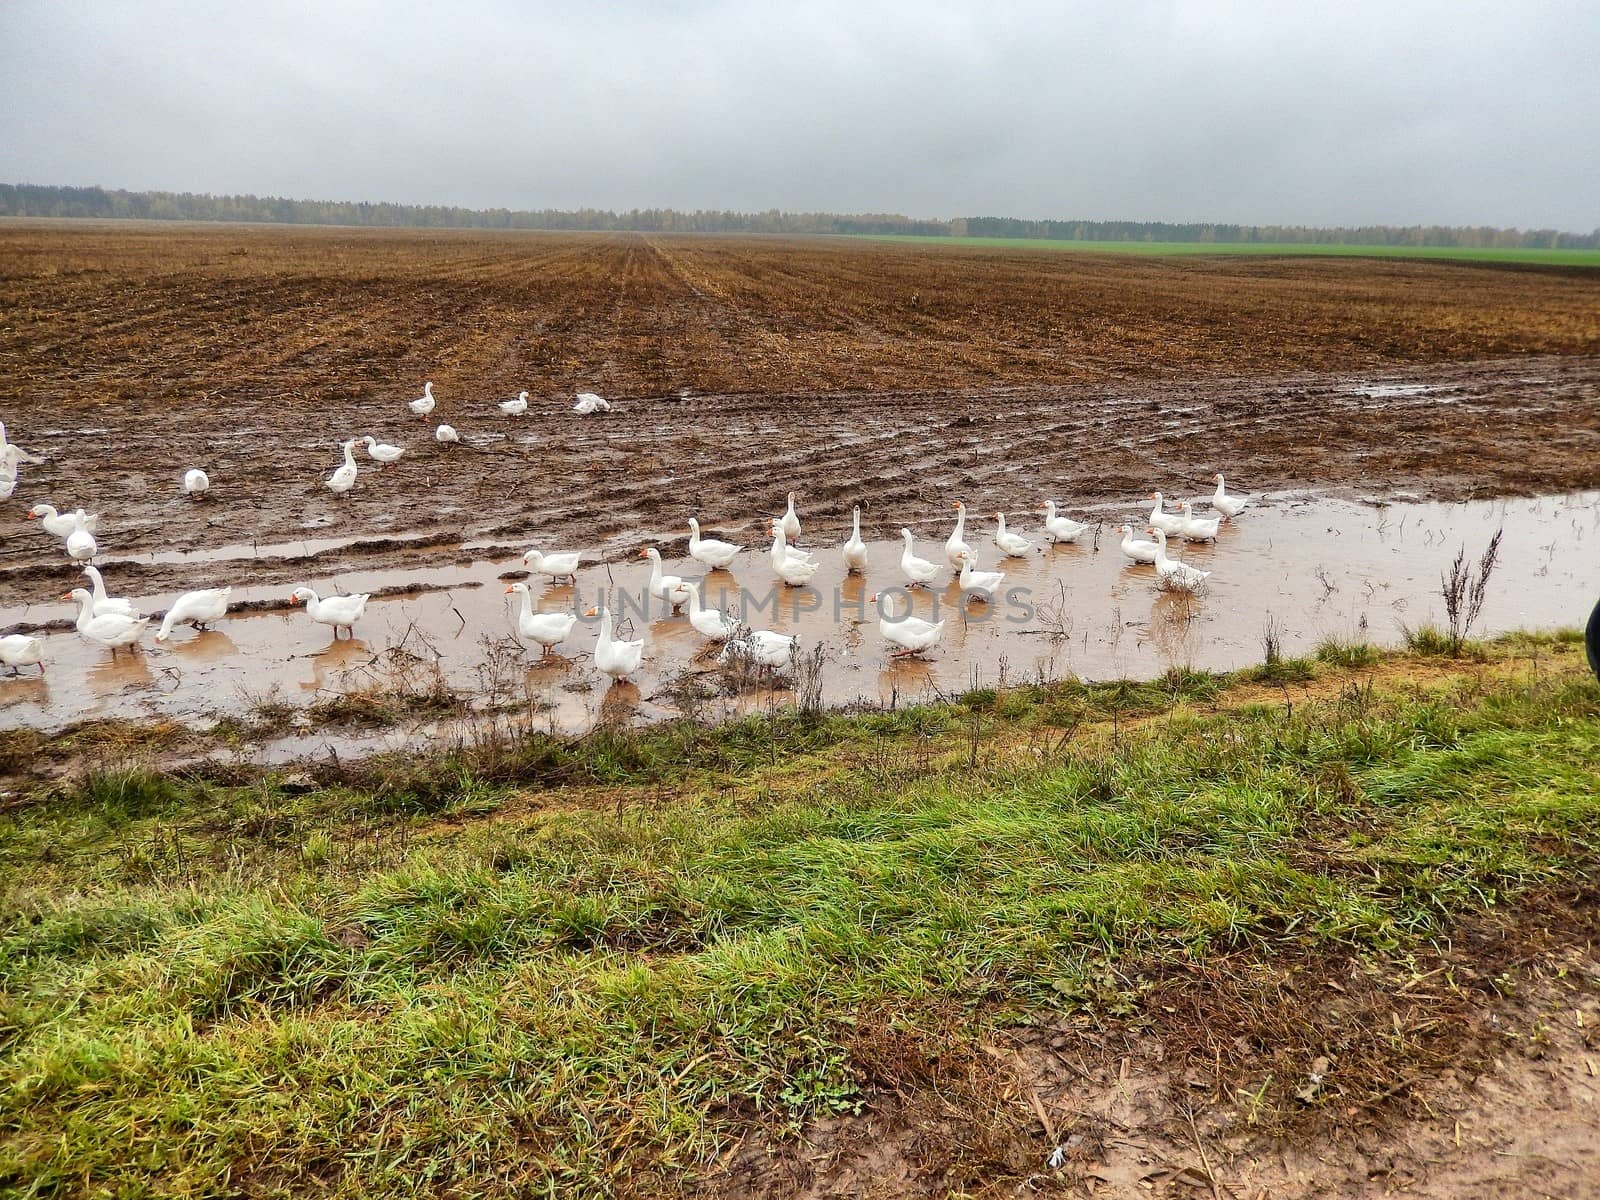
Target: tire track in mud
[[612, 482]]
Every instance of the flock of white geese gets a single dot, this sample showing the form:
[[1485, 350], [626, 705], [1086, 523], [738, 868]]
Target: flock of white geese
[[116, 623]]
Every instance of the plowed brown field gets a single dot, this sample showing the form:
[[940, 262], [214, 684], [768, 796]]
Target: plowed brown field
[[886, 374]]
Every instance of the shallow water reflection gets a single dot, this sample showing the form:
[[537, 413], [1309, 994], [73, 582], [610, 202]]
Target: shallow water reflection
[[1311, 567]]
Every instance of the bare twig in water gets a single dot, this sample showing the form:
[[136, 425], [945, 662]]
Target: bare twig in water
[[1464, 589], [1055, 622], [1271, 643]]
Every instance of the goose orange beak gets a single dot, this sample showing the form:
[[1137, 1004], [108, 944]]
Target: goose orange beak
[[509, 590], [593, 612], [644, 554], [67, 596], [294, 600]]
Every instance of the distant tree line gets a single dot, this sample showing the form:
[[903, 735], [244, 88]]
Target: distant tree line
[[34, 200]]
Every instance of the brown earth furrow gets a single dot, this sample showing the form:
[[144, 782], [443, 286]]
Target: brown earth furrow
[[898, 377]]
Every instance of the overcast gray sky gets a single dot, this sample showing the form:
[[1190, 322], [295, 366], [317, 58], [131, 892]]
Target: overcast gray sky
[[1391, 111]]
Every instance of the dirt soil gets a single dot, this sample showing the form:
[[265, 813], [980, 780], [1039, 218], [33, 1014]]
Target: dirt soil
[[1471, 1073], [891, 375]]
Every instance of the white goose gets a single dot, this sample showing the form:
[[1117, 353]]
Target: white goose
[[775, 527], [854, 551], [198, 609], [709, 622], [446, 435], [984, 582], [664, 587], [763, 648], [1059, 529], [1228, 506], [560, 565], [1012, 545], [1138, 551], [18, 650], [515, 408], [112, 630], [710, 551], [1174, 575], [423, 404], [1197, 529], [6, 449], [382, 452], [919, 572], [62, 524], [1161, 519], [80, 542], [791, 521], [912, 634], [588, 404], [342, 480], [342, 612], [196, 482], [614, 658], [548, 629], [794, 567], [12, 456], [955, 546], [104, 603]]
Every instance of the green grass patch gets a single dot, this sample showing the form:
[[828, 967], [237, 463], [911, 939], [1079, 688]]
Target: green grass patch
[[1336, 652], [1284, 670], [1433, 642], [1487, 254], [209, 988]]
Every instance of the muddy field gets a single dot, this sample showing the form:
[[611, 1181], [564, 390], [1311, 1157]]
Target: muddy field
[[854, 372], [1383, 414]]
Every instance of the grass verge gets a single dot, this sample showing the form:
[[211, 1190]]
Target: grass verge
[[1484, 254], [590, 968]]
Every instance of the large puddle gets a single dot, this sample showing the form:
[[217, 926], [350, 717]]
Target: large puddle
[[1311, 567]]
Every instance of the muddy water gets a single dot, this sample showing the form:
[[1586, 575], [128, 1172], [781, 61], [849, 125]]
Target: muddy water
[[1311, 566]]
